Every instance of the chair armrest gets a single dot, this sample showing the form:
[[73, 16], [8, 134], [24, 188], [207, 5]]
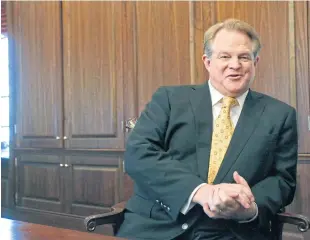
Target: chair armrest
[[114, 217], [302, 222]]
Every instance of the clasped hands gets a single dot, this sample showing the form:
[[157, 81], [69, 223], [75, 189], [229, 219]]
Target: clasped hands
[[227, 201]]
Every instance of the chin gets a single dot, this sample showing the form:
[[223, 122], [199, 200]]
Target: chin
[[236, 91]]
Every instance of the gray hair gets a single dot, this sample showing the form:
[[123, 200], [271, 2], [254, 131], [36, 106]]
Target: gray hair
[[231, 24]]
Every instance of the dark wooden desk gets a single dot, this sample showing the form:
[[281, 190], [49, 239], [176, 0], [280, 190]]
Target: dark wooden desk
[[16, 230]]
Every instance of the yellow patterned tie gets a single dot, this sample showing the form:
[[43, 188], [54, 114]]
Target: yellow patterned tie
[[222, 132]]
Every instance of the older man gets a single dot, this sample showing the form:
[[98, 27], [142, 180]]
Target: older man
[[213, 161]]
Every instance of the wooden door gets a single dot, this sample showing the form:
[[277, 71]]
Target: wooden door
[[92, 183], [93, 75], [40, 182], [37, 68]]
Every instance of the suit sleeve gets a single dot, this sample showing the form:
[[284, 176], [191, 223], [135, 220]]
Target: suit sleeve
[[277, 190], [150, 166]]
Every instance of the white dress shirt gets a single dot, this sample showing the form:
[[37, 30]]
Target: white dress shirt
[[235, 111]]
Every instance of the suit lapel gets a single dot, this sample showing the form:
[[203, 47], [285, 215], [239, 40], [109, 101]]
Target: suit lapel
[[247, 122], [202, 108]]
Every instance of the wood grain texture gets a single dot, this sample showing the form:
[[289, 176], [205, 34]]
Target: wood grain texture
[[40, 182], [162, 47], [127, 189], [302, 26], [93, 74], [204, 15], [16, 230], [37, 41], [129, 41], [271, 22], [4, 192], [93, 184]]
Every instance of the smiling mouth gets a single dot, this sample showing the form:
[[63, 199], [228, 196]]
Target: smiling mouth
[[235, 76]]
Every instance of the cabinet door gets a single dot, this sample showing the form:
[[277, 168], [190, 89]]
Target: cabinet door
[[37, 64], [4, 192], [93, 183], [4, 182], [40, 182], [93, 74]]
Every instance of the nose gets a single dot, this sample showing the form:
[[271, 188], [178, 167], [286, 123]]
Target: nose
[[234, 63]]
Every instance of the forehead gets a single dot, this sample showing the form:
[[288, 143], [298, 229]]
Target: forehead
[[232, 41]]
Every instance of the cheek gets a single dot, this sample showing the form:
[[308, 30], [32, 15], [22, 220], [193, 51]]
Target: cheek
[[220, 70], [250, 69]]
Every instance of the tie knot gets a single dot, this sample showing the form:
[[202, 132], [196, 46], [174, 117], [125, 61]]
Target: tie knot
[[229, 102]]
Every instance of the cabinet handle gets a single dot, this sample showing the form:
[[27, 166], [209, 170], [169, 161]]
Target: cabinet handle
[[61, 165], [65, 137], [130, 124], [57, 137]]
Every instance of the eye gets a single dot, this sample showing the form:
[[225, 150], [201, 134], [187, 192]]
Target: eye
[[245, 58], [224, 57]]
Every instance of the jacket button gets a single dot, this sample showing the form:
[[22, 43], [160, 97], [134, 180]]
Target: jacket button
[[184, 226]]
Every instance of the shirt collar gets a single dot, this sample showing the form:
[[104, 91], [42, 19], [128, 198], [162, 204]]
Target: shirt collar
[[216, 96]]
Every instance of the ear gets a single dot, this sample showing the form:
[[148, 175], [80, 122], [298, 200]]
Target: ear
[[206, 61], [256, 61]]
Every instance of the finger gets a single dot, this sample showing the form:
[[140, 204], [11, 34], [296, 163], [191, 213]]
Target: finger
[[229, 190], [210, 199], [228, 202], [217, 203], [244, 194], [239, 179], [231, 206], [243, 200], [207, 210], [246, 191]]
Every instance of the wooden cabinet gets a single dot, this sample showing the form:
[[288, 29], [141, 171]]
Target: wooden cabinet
[[37, 57], [93, 183], [70, 78], [95, 64], [4, 192], [4, 182], [93, 74], [40, 182], [77, 185]]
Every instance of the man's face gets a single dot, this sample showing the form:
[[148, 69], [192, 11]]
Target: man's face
[[232, 65]]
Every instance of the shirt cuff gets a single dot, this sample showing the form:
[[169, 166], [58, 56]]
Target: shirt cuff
[[189, 204], [253, 218]]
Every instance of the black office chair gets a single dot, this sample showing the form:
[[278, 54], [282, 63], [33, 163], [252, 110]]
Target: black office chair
[[116, 216]]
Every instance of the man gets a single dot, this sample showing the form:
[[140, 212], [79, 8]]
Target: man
[[214, 161]]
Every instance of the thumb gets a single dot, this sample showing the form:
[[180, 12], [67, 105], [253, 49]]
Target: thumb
[[240, 180]]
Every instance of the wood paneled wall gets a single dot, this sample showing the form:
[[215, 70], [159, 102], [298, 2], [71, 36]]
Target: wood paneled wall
[[166, 40], [81, 69], [167, 49]]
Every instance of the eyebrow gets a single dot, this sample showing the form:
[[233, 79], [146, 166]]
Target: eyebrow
[[240, 54]]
